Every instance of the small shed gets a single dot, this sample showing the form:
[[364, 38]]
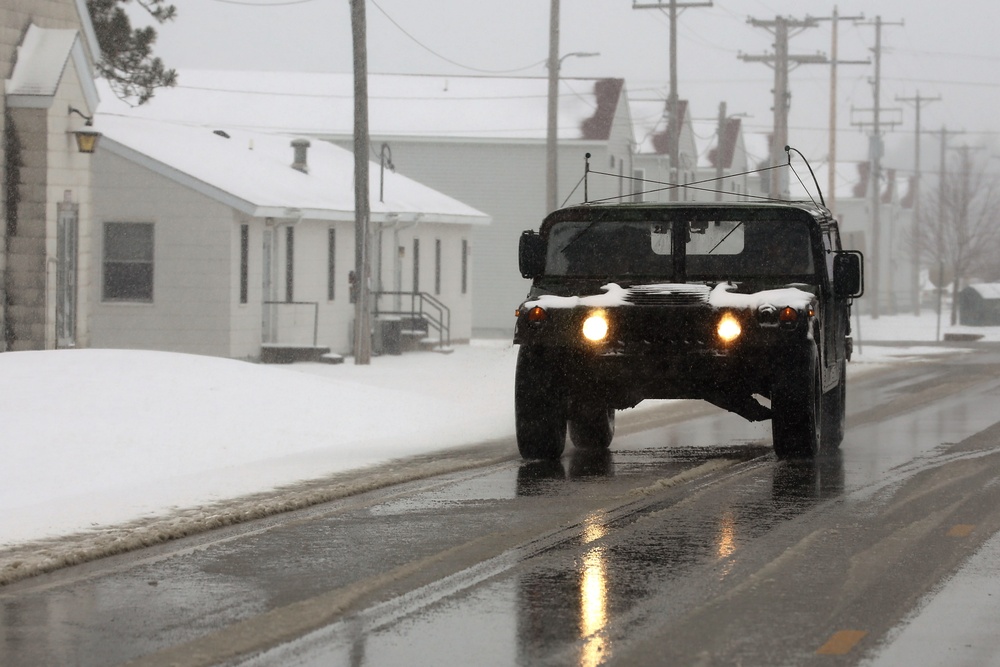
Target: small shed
[[979, 305]]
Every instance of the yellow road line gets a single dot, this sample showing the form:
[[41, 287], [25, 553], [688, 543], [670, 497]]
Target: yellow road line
[[961, 530], [841, 642]]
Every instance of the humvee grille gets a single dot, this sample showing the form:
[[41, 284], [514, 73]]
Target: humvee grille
[[668, 295]]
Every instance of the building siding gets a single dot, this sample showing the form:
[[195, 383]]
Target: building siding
[[506, 180], [192, 285], [50, 168]]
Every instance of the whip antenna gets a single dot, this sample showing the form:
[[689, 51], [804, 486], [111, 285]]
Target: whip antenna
[[788, 150]]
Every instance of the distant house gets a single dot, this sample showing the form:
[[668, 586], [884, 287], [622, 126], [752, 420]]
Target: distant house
[[225, 241], [891, 256], [979, 305], [712, 169], [47, 55], [481, 140]]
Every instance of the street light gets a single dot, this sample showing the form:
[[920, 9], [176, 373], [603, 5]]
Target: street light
[[554, 65]]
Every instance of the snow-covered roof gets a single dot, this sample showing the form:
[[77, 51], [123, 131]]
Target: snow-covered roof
[[408, 105], [252, 172], [41, 61], [986, 290]]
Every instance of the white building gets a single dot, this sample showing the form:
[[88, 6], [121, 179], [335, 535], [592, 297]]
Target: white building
[[223, 241], [712, 157], [481, 140], [47, 55]]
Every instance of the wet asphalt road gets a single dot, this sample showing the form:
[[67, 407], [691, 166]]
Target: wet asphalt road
[[687, 544]]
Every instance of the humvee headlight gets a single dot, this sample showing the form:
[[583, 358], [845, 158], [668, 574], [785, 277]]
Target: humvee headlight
[[595, 327], [729, 328]]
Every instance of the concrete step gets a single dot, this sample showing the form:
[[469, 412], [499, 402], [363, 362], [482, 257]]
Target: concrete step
[[274, 353]]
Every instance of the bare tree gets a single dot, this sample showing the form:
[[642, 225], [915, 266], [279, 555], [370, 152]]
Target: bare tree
[[960, 226]]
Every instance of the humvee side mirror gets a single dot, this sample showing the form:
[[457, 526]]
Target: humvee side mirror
[[531, 254], [848, 274]]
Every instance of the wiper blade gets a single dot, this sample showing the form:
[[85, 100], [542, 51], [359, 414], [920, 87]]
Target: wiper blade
[[723, 240], [577, 236]]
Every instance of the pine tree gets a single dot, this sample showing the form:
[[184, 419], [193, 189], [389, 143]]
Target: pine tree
[[127, 60]]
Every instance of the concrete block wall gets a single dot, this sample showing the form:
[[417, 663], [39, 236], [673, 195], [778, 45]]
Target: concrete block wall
[[15, 16], [24, 277]]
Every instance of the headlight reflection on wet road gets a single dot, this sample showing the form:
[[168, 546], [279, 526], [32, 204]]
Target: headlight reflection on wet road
[[593, 599]]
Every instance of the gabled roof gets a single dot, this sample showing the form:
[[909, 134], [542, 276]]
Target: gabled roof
[[404, 105], [252, 172], [41, 62], [655, 138], [985, 290], [87, 26]]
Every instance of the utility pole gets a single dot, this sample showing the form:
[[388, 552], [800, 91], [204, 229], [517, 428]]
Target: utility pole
[[780, 27], [719, 167], [941, 213], [962, 241], [831, 194], [918, 103], [552, 129], [551, 158], [673, 103], [942, 173], [876, 168], [362, 310]]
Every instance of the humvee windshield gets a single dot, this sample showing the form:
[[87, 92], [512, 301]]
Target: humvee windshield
[[713, 249]]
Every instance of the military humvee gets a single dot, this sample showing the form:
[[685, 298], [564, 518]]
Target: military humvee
[[742, 304]]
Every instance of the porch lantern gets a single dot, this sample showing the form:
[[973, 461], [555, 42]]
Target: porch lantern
[[86, 140]]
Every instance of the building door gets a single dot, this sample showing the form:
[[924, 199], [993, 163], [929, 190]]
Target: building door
[[67, 243]]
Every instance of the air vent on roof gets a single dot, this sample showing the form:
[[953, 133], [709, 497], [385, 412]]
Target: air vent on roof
[[221, 133], [300, 146]]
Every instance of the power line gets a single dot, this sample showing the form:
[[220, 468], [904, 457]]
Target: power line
[[448, 60], [409, 98], [944, 54], [279, 3]]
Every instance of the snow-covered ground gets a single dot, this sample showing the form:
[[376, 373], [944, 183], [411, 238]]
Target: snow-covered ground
[[101, 444]]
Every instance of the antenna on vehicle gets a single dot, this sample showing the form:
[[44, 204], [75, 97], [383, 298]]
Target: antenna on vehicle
[[586, 170], [788, 150]]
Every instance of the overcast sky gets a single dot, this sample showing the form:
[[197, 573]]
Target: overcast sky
[[931, 48]]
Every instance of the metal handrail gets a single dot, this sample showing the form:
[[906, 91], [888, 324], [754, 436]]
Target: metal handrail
[[423, 306]]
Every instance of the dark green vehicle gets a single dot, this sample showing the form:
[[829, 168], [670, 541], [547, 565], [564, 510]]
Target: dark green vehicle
[[745, 305]]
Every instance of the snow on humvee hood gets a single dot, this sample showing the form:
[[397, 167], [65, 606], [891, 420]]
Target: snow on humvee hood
[[721, 296]]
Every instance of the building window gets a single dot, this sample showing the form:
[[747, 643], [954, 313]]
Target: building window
[[289, 264], [244, 263], [416, 265], [437, 266], [465, 266], [331, 262], [128, 262]]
